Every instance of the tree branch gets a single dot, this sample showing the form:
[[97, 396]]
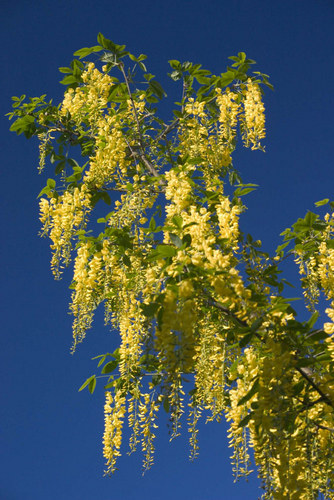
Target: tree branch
[[141, 154], [168, 129], [226, 311], [308, 375]]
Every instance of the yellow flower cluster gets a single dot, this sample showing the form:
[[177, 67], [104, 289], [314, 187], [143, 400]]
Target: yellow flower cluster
[[193, 418], [109, 162], [247, 372], [112, 438], [131, 208], [133, 421], [326, 277], [166, 341], [132, 332], [147, 418], [228, 117], [44, 140], [212, 145], [254, 119], [87, 101], [308, 271], [228, 220], [281, 460], [87, 278], [317, 273], [212, 358], [200, 141], [178, 190], [61, 217]]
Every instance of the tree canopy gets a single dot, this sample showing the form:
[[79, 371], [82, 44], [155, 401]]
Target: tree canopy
[[205, 326]]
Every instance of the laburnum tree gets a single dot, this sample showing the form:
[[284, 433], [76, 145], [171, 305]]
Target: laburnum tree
[[205, 329]]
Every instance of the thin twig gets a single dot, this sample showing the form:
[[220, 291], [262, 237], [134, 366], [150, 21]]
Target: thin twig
[[168, 129], [322, 426], [226, 311], [141, 153]]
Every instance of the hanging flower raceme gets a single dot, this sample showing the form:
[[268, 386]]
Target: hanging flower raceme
[[62, 217], [253, 118], [87, 101], [229, 110], [114, 411]]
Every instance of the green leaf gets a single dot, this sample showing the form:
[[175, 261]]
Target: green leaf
[[65, 70], [68, 80], [110, 366], [174, 64], [87, 382], [22, 124], [142, 66], [243, 189], [317, 335], [166, 250], [73, 163], [324, 357], [152, 224], [186, 240], [92, 385], [203, 80], [281, 247], [102, 360], [306, 362], [303, 225], [60, 167], [100, 356], [126, 260], [298, 387], [86, 51], [157, 89], [116, 354], [149, 362], [106, 43], [175, 240], [177, 221], [246, 419], [166, 405], [226, 78], [51, 183], [148, 76], [253, 390], [149, 310], [99, 195], [313, 319], [46, 190], [256, 325], [245, 339], [111, 384], [321, 202]]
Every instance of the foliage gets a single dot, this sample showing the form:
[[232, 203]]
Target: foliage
[[205, 327]]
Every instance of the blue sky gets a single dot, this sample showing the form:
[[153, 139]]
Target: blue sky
[[51, 434]]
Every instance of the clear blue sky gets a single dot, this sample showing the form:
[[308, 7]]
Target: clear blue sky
[[51, 434]]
